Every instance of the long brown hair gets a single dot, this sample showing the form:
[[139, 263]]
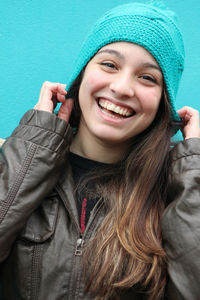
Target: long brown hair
[[128, 245]]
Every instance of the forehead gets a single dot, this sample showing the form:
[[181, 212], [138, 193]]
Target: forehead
[[127, 51]]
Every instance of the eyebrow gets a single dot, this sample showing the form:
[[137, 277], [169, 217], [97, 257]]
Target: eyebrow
[[121, 56], [112, 51], [152, 66]]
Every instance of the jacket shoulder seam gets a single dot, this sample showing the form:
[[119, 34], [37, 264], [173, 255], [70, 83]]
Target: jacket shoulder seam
[[17, 183]]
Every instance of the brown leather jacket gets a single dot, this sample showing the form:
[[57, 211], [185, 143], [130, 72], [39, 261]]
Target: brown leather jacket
[[40, 239], [181, 222]]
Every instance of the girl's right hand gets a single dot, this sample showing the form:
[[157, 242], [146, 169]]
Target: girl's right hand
[[191, 126], [51, 93]]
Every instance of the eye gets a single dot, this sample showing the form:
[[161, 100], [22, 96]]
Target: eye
[[148, 78], [110, 65]]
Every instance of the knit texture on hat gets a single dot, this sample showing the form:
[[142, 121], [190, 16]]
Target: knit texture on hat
[[151, 26]]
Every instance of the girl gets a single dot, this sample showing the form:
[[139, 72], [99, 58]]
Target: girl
[[81, 212]]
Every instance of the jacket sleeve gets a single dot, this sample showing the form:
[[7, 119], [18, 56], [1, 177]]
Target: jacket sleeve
[[181, 222], [30, 163]]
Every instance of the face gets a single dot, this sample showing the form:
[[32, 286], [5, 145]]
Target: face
[[119, 94]]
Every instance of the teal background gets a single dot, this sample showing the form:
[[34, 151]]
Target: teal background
[[40, 40]]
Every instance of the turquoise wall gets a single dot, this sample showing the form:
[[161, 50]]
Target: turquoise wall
[[40, 40]]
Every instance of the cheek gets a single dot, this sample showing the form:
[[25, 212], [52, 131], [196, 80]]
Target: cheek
[[91, 83], [151, 101], [94, 81]]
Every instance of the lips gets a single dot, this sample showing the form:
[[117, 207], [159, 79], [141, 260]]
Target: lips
[[114, 110]]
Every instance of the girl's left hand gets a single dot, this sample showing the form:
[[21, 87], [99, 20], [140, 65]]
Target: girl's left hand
[[191, 127]]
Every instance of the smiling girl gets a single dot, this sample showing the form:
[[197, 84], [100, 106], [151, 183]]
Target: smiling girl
[[81, 210], [119, 97]]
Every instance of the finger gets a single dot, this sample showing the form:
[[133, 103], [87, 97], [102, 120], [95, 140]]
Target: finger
[[61, 98], [55, 87], [188, 114], [60, 88], [49, 95], [187, 110], [47, 100], [190, 118], [66, 109]]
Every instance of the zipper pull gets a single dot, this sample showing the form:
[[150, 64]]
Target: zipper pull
[[79, 245]]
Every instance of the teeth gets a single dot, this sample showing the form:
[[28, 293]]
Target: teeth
[[110, 115], [115, 108]]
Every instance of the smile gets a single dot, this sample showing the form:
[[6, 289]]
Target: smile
[[114, 110]]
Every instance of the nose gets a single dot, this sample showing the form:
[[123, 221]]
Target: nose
[[122, 86]]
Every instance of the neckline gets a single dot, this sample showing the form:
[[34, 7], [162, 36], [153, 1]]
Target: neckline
[[85, 163]]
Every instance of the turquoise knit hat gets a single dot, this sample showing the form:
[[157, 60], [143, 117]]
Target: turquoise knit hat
[[151, 26]]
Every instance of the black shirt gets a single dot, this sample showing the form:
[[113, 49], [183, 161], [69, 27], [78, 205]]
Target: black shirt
[[81, 167]]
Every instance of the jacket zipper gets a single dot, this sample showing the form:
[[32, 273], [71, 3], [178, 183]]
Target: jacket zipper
[[79, 246], [79, 243]]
